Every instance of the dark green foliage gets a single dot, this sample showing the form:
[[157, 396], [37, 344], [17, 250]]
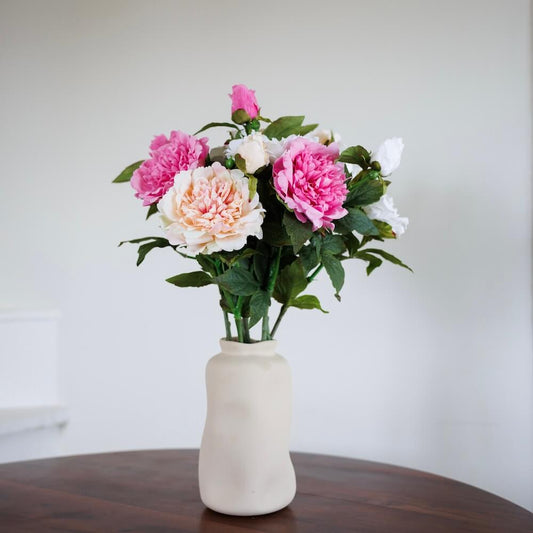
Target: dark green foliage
[[155, 242], [191, 279], [127, 173], [364, 192], [298, 232], [259, 304], [152, 210], [356, 220], [335, 272], [216, 124], [238, 281], [356, 155], [307, 301], [291, 282]]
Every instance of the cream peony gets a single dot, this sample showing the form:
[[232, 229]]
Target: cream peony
[[389, 155], [209, 210], [385, 211], [252, 149]]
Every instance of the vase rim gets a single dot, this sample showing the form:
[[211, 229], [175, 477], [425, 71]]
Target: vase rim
[[253, 348]]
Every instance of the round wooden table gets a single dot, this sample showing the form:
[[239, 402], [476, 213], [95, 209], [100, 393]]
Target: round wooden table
[[157, 492]]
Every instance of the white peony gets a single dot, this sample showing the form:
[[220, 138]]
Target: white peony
[[209, 209], [276, 147], [385, 211], [389, 155], [252, 149]]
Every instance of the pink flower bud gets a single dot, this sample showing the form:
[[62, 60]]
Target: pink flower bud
[[244, 98]]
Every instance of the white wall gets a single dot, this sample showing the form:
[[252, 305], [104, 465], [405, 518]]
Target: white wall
[[431, 370]]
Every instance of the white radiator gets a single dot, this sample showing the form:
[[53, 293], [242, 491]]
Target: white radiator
[[31, 412]]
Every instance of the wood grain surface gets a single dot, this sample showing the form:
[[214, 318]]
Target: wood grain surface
[[157, 492]]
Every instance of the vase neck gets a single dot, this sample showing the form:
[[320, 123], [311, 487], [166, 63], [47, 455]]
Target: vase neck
[[263, 348]]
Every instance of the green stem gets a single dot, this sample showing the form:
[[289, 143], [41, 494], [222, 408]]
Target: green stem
[[314, 274], [265, 328], [272, 275], [240, 332], [224, 295], [237, 312], [227, 324], [282, 312], [246, 329]]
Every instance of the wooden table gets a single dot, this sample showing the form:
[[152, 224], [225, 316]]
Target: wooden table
[[156, 492]]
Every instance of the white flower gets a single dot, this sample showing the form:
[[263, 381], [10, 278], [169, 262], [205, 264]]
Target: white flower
[[209, 209], [389, 155], [324, 136], [252, 149], [385, 211], [276, 147]]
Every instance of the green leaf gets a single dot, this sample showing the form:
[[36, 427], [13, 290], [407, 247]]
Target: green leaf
[[356, 220], [238, 281], [230, 258], [310, 257], [156, 242], [149, 246], [364, 193], [352, 243], [291, 282], [259, 304], [252, 186], [206, 263], [373, 261], [299, 233], [304, 130], [260, 261], [373, 264], [283, 127], [240, 116], [191, 279], [152, 210], [389, 257], [240, 163], [215, 125], [127, 173], [385, 230], [333, 244], [335, 272], [274, 233], [307, 301], [356, 155]]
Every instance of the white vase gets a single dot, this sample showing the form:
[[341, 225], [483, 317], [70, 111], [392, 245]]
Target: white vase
[[245, 468]]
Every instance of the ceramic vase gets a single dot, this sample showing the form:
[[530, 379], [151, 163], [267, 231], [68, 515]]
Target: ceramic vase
[[245, 467]]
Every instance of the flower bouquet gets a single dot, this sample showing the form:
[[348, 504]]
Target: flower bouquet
[[262, 215]]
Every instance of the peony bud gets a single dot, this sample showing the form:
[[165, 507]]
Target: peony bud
[[243, 99]]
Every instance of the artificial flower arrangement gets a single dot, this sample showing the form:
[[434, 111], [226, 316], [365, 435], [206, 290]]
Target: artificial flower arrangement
[[264, 214]]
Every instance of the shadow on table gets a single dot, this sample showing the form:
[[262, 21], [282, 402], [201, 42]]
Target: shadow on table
[[282, 521]]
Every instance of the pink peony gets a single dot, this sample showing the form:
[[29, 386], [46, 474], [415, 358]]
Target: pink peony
[[167, 157], [309, 181], [244, 98]]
